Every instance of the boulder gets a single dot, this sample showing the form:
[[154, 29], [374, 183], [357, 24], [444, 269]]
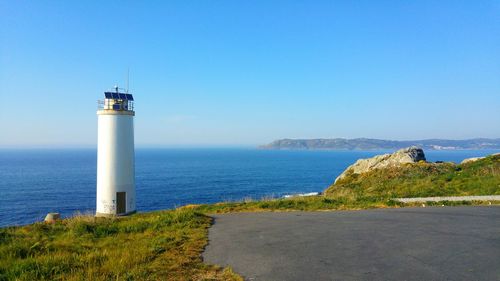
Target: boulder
[[470, 160], [474, 159], [411, 154], [52, 217]]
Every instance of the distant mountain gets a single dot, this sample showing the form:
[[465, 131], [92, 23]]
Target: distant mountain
[[375, 144]]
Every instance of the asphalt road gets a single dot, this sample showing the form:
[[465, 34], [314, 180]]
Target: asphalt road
[[439, 243]]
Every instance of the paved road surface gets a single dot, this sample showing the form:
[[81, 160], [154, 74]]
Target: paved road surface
[[439, 243]]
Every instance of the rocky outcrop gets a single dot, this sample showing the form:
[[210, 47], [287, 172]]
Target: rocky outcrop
[[411, 154], [474, 159], [470, 160]]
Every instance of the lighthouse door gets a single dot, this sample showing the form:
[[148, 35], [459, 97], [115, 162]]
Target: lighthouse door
[[120, 202]]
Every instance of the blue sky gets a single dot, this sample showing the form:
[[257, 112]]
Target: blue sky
[[217, 73]]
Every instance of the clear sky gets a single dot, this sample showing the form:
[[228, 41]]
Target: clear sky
[[247, 72]]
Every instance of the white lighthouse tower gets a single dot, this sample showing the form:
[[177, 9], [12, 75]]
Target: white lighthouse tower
[[115, 155]]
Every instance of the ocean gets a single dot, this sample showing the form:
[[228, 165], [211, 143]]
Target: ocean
[[35, 182]]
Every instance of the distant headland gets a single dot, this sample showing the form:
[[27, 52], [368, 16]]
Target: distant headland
[[377, 144]]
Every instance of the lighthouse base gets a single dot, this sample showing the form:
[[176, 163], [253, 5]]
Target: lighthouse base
[[104, 215]]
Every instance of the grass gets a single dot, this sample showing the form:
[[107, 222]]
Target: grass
[[167, 245], [163, 245], [310, 203], [481, 177]]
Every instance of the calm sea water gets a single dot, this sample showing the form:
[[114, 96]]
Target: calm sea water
[[35, 182]]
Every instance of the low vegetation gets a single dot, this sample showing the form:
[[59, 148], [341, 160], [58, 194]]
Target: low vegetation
[[310, 203], [481, 177], [167, 245], [163, 245]]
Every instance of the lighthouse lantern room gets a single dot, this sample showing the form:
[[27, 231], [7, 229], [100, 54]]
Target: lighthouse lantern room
[[115, 154]]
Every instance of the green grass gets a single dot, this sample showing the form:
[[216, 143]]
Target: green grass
[[481, 177], [310, 203], [167, 245], [162, 245]]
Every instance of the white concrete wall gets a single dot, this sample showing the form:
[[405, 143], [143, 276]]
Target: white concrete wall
[[115, 161], [450, 198]]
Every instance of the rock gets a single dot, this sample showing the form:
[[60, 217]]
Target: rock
[[411, 154], [52, 217], [474, 159], [470, 160]]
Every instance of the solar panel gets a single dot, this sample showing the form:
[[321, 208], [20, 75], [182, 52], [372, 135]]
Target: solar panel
[[118, 96]]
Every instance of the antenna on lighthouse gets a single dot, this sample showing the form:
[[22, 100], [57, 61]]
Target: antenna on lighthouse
[[128, 72]]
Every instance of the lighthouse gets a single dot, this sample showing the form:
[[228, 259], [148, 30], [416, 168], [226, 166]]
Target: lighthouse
[[115, 154]]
